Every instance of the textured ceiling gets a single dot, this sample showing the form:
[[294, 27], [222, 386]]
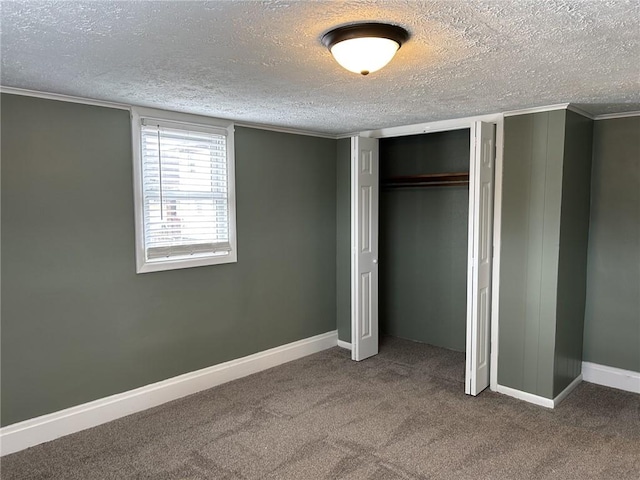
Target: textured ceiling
[[262, 61]]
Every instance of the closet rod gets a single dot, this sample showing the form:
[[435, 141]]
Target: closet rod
[[428, 180]]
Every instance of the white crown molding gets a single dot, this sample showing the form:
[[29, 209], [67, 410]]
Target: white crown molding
[[293, 131], [428, 127], [62, 98], [626, 380], [611, 116], [547, 108], [100, 103], [45, 428], [443, 125], [573, 108], [346, 135], [579, 111]]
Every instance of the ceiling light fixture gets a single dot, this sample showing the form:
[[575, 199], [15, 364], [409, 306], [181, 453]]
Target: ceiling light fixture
[[365, 47]]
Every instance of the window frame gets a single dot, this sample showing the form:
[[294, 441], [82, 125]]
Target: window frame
[[142, 264]]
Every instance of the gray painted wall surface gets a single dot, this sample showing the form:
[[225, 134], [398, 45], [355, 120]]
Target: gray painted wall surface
[[78, 323], [612, 320], [343, 238], [532, 190], [572, 261], [423, 241]]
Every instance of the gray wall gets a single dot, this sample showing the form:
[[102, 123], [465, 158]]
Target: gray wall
[[423, 241], [531, 201], [78, 323], [572, 261], [612, 320], [343, 239]]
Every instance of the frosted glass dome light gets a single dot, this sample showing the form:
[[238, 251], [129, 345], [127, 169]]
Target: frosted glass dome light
[[364, 55], [365, 47]]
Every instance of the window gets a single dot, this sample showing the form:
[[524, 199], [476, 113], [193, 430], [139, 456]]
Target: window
[[184, 190]]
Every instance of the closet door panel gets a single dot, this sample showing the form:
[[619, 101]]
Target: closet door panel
[[480, 256], [364, 237]]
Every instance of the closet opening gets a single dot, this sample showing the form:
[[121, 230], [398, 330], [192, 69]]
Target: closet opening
[[423, 238], [422, 242]]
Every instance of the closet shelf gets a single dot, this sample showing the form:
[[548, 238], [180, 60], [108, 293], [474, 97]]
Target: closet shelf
[[429, 180]]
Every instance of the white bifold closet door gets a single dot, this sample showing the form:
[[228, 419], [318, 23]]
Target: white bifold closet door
[[365, 193], [481, 182]]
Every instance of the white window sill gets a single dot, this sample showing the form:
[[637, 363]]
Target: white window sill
[[201, 261]]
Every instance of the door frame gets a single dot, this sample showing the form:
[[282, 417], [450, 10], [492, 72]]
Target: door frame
[[458, 124]]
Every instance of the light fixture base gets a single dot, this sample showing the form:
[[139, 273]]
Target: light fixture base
[[368, 29]]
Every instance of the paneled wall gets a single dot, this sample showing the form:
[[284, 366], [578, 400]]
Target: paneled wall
[[545, 209], [572, 261]]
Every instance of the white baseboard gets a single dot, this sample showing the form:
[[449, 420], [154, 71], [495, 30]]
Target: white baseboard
[[563, 394], [343, 344], [28, 433], [537, 399], [627, 380], [526, 396]]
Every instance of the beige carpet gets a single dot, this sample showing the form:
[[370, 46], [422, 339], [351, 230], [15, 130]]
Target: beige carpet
[[400, 415]]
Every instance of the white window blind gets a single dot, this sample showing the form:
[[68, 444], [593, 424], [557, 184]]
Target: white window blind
[[185, 186]]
